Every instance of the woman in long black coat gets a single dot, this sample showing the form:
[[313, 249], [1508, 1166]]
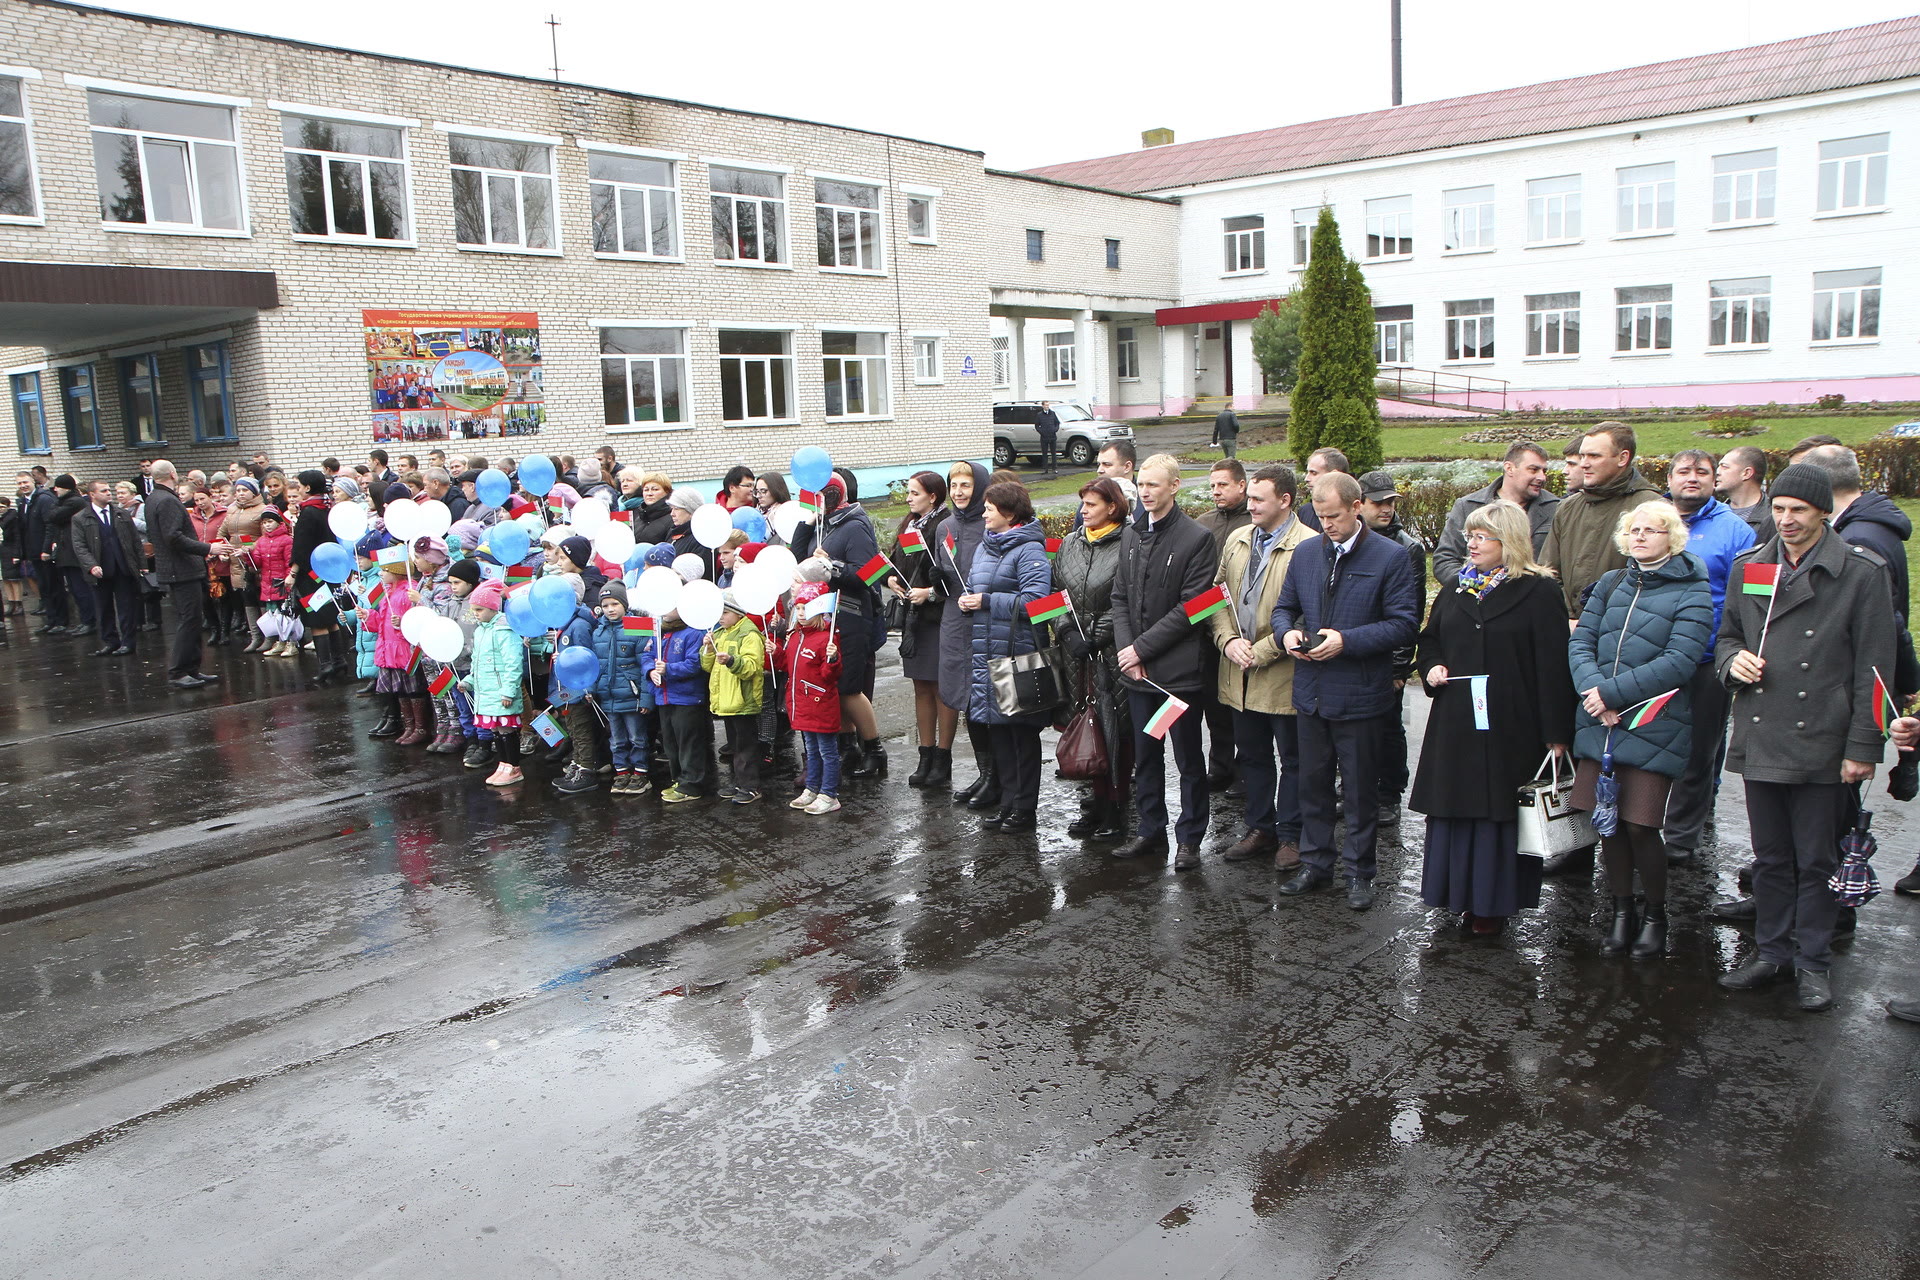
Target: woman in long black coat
[[307, 493], [1506, 620], [953, 557], [916, 590]]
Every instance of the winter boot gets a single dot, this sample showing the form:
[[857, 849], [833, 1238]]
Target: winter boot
[[390, 723], [255, 640], [988, 797], [850, 757], [939, 769], [1652, 941], [479, 754], [418, 713], [1625, 926], [446, 730], [982, 761], [873, 760], [918, 778]]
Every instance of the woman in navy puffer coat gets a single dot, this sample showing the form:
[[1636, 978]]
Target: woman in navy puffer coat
[[1009, 571]]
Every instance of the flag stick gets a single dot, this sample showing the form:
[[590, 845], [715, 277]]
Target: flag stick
[[833, 620], [1766, 622]]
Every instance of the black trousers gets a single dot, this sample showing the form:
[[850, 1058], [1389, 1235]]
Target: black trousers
[[1016, 754], [1221, 748], [1050, 450], [1796, 832], [1273, 794], [116, 603], [1393, 751], [1150, 769], [1355, 746], [1690, 799], [686, 734], [185, 601], [80, 588], [53, 591], [743, 744]]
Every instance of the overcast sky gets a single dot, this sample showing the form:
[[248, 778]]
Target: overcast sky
[[1034, 84]]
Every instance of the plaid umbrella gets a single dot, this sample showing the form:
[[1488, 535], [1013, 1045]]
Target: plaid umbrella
[[1854, 883]]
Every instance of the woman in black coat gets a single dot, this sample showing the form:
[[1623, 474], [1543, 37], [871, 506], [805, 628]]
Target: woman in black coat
[[1084, 570], [953, 557], [844, 538], [1505, 620], [307, 494], [916, 588], [652, 521], [13, 550]]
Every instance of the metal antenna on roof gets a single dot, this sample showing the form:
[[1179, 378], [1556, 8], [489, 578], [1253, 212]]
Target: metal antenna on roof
[[553, 29], [1393, 7]]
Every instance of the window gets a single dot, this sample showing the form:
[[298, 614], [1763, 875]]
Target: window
[[165, 164], [1003, 362], [1643, 318], [209, 394], [82, 410], [1393, 335], [140, 400], [1113, 255], [1846, 305], [1644, 198], [1246, 243], [1304, 221], [18, 198], [1036, 245], [345, 181], [643, 376], [926, 359], [756, 375], [921, 226], [502, 193], [1126, 353], [1743, 186], [847, 225], [749, 215], [1553, 209], [1060, 364], [1390, 227], [1739, 312], [1469, 218], [27, 418], [853, 368], [1853, 173], [1553, 324], [1470, 329], [636, 205]]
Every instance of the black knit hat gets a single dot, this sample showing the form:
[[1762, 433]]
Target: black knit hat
[[467, 571], [64, 481], [1810, 484]]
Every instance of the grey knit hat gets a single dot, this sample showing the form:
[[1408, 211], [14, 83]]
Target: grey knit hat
[[1810, 484], [685, 499]]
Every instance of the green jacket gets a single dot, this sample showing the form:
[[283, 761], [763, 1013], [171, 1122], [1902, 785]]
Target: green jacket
[[735, 689], [1580, 549], [499, 663]]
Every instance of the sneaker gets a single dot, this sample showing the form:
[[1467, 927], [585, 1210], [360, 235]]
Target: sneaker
[[505, 776], [824, 804], [726, 791], [802, 800], [619, 787], [674, 795], [638, 784], [743, 796]]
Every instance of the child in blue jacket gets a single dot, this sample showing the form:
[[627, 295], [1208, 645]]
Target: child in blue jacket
[[680, 687], [569, 706], [623, 692]]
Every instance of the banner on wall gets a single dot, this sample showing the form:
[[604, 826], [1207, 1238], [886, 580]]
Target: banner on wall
[[454, 375]]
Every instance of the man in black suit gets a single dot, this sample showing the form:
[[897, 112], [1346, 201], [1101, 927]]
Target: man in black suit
[[180, 561], [106, 547], [143, 483]]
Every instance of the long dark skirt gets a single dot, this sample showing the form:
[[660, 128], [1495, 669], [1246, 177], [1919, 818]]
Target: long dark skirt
[[1473, 864], [924, 662]]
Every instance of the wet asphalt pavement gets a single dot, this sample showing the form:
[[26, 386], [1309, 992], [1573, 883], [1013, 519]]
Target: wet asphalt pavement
[[277, 1000]]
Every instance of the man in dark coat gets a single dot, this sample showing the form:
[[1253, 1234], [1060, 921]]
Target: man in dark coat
[[1047, 424], [1867, 519], [1805, 722], [1347, 603], [1226, 431], [38, 510], [1523, 481], [68, 502], [1165, 560], [1581, 548], [1227, 483], [107, 548], [1380, 508], [180, 562]]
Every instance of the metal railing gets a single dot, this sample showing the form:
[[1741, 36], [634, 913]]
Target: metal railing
[[1443, 389]]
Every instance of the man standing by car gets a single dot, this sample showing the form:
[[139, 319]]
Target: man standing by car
[[1047, 424], [1523, 482]]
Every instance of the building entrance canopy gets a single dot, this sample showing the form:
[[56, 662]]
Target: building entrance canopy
[[46, 304]]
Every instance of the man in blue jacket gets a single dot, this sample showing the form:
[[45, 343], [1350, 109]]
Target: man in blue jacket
[[1349, 600], [1716, 535]]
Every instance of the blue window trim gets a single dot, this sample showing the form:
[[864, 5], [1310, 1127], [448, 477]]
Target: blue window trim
[[69, 394], [195, 376], [17, 387], [126, 401]]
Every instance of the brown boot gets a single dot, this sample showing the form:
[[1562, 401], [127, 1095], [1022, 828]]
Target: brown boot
[[1287, 856], [419, 717]]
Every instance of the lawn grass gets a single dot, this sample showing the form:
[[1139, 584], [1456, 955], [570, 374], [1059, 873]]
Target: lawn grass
[[1912, 507]]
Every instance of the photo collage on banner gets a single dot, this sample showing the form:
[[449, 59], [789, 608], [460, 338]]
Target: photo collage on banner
[[454, 375]]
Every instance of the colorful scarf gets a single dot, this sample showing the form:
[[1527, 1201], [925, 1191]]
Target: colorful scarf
[[1478, 584]]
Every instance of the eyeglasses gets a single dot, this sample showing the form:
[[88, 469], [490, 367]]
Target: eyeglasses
[[1477, 536]]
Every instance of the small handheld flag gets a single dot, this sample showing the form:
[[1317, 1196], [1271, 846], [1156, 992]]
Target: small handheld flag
[[441, 683], [823, 606], [912, 542], [493, 573], [519, 573], [639, 625], [949, 544], [1053, 547], [1047, 607], [809, 502], [548, 728], [623, 516], [391, 555], [377, 594], [1650, 710], [1885, 709], [1206, 604], [413, 663], [318, 600], [1759, 579], [1162, 720], [874, 570], [517, 507]]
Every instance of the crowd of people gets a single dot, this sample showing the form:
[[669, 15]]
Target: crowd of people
[[1614, 635]]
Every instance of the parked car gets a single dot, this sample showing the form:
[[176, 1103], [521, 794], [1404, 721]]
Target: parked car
[[1081, 434]]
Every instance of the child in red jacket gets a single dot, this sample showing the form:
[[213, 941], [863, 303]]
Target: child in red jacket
[[273, 555], [812, 668]]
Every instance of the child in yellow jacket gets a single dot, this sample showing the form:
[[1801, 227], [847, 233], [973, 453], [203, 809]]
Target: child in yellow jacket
[[735, 655]]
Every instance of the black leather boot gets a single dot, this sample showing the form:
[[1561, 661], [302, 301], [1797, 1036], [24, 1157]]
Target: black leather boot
[[983, 762], [988, 797], [1113, 821], [1089, 820], [918, 778], [389, 726], [873, 760], [1625, 925], [939, 769], [850, 754], [1652, 941]]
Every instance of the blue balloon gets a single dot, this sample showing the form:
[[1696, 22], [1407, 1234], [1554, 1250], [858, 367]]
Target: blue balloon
[[553, 602], [332, 563], [752, 523], [536, 475], [638, 556], [576, 667], [508, 542], [520, 616], [812, 467], [493, 488]]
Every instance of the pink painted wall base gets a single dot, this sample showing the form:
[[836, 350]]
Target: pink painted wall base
[[1713, 395]]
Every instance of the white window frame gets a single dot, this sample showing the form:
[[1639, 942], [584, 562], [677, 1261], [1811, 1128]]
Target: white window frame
[[877, 370], [551, 177], [784, 212], [405, 161], [1245, 245], [635, 427], [1736, 311], [38, 218], [929, 348], [1643, 194], [1126, 352], [1551, 321], [1063, 365], [1759, 182], [878, 213], [1642, 319], [1469, 220], [1852, 171], [1544, 206], [1476, 325], [1389, 222], [673, 160], [1827, 301], [1002, 362], [160, 93], [930, 197], [1302, 234], [785, 361], [1400, 333]]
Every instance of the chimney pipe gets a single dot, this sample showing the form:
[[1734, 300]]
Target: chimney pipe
[[1156, 137], [1394, 10]]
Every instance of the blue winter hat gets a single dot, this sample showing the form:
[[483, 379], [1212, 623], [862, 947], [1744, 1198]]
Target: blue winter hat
[[372, 542], [662, 554]]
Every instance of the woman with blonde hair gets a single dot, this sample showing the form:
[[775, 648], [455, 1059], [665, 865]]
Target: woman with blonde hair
[[1493, 657]]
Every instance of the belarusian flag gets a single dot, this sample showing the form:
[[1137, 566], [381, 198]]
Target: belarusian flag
[[1759, 579], [809, 502], [376, 595], [1048, 607], [1162, 720], [518, 506], [1650, 709], [441, 683], [911, 542], [1206, 604], [248, 539], [874, 570], [413, 663], [624, 517], [636, 625], [519, 572], [1053, 547], [949, 543], [1885, 709]]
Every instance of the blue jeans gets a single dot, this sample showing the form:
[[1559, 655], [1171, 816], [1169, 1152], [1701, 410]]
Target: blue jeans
[[823, 763], [631, 734], [463, 707], [1273, 797]]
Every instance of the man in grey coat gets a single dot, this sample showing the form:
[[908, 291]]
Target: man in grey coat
[[1523, 482], [1806, 732]]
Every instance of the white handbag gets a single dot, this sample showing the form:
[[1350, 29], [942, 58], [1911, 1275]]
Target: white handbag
[[1549, 824]]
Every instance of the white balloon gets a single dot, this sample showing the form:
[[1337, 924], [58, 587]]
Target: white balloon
[[701, 605], [711, 525], [658, 591], [555, 536], [414, 620], [589, 516], [757, 590], [432, 518], [779, 562], [347, 520], [787, 518], [403, 519], [690, 567], [441, 638], [614, 542]]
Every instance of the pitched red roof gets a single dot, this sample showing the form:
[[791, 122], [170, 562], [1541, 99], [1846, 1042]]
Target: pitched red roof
[[1871, 54]]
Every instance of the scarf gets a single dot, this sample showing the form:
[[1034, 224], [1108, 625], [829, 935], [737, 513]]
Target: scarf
[[1104, 532], [1479, 584]]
